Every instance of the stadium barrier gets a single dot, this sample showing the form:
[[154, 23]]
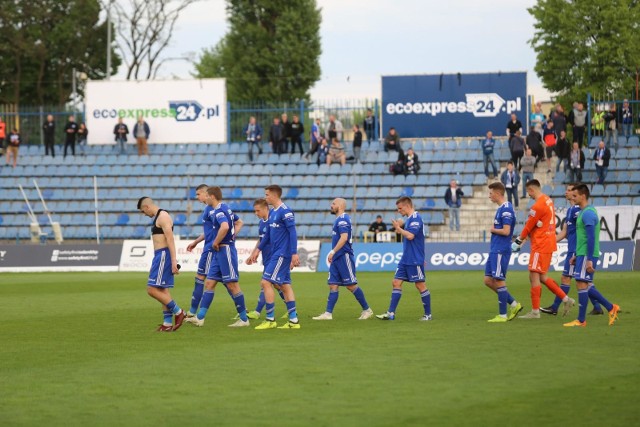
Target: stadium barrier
[[616, 256], [619, 222], [636, 262], [37, 258], [138, 254]]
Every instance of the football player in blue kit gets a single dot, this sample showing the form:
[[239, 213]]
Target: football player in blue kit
[[411, 265], [342, 263], [495, 272]]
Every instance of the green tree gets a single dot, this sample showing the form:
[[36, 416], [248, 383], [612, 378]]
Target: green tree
[[271, 52], [43, 41], [587, 46]]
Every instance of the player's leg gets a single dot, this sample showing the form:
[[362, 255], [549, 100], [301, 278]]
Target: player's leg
[[536, 290], [290, 299], [565, 285], [334, 293], [198, 286], [553, 286], [268, 279], [159, 282], [396, 293], [425, 297], [358, 293], [238, 300], [228, 261], [214, 275]]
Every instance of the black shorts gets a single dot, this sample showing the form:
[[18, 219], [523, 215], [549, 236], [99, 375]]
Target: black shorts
[[549, 152]]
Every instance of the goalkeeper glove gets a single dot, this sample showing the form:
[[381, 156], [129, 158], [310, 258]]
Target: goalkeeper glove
[[516, 245]]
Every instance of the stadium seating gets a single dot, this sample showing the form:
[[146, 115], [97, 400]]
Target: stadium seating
[[171, 172]]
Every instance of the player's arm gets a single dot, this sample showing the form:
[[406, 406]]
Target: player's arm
[[562, 234], [237, 224], [341, 242], [397, 224], [535, 216], [165, 222], [504, 231], [193, 244], [590, 219], [222, 231], [290, 223]]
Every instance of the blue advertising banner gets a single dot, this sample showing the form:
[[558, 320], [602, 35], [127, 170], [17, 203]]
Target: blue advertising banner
[[615, 256], [448, 105]]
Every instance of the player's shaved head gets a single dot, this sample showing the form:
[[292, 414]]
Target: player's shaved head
[[202, 187], [144, 201], [341, 203]]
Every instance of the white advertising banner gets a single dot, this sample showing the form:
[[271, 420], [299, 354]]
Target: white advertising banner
[[619, 222], [177, 111], [138, 254]]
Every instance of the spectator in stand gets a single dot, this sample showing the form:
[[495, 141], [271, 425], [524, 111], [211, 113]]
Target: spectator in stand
[[357, 143], [576, 163], [286, 128], [121, 130], [563, 148], [611, 126], [13, 143], [82, 134], [537, 118], [487, 155], [276, 136], [453, 199], [528, 167], [334, 128], [516, 147], [411, 163], [323, 151], [510, 179], [626, 119], [513, 126], [602, 156], [296, 131], [70, 131], [598, 121], [550, 140], [392, 140], [3, 132], [314, 139], [141, 132], [253, 133], [534, 143], [49, 130], [559, 119], [336, 153], [377, 226], [369, 125], [578, 121], [398, 167]]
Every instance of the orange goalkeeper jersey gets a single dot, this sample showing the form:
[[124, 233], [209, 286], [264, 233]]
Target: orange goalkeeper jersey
[[541, 226]]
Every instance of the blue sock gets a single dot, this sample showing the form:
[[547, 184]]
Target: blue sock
[[291, 309], [271, 311], [207, 299], [595, 294], [359, 294], [510, 299], [558, 300], [332, 300], [198, 288], [583, 301], [261, 301], [502, 300], [173, 307], [238, 300], [396, 294], [596, 304], [167, 318], [281, 295], [426, 301]]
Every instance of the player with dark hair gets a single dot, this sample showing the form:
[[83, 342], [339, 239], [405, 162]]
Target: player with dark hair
[[207, 253], [541, 229], [262, 211], [495, 273], [411, 265], [224, 262], [342, 269], [164, 265], [586, 258], [569, 231], [283, 241]]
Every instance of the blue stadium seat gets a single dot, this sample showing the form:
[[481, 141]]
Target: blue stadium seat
[[292, 193]]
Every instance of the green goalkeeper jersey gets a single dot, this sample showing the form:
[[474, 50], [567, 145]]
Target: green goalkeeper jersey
[[588, 216]]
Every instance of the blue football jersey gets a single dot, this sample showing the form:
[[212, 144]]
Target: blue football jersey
[[505, 215], [572, 218], [413, 250], [342, 224], [282, 233], [221, 214], [207, 225], [263, 229]]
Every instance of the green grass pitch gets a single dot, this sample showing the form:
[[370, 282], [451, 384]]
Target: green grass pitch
[[80, 349]]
